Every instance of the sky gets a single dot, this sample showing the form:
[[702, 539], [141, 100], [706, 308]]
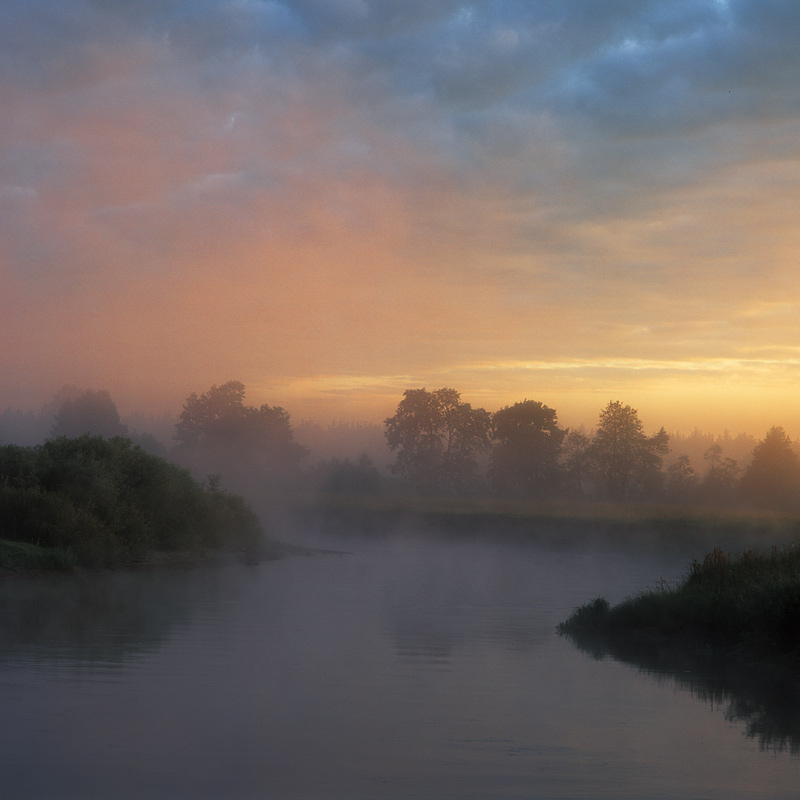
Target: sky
[[334, 201]]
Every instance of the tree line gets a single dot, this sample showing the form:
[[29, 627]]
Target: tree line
[[442, 445]]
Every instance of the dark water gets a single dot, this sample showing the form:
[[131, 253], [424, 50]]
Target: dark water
[[410, 668]]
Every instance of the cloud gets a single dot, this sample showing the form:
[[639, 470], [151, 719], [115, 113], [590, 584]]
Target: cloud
[[393, 187]]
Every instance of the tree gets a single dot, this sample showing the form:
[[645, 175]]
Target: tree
[[248, 446], [575, 461], [348, 477], [773, 477], [626, 462], [721, 479], [437, 438], [681, 480], [92, 412], [527, 443]]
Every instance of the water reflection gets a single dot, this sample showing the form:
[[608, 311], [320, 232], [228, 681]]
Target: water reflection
[[409, 668], [765, 698], [101, 619]]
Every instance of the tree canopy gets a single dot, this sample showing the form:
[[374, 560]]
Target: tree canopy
[[437, 437], [92, 412], [626, 462], [218, 433], [773, 476], [105, 500], [527, 445]]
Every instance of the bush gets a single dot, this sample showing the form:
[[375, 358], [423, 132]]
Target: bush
[[106, 500], [749, 602]]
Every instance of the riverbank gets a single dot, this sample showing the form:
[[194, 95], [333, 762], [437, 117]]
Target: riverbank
[[557, 523], [18, 559], [94, 502], [745, 606]]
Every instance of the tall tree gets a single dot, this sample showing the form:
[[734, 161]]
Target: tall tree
[[437, 438], [248, 446], [681, 480], [627, 463], [773, 477], [527, 444], [576, 461], [91, 412], [722, 477]]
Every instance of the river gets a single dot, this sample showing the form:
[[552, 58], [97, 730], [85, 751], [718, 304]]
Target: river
[[407, 666]]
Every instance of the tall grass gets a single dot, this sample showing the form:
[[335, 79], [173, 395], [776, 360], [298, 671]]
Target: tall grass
[[747, 603]]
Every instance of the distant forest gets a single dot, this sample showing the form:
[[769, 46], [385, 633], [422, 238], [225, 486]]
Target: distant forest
[[435, 443]]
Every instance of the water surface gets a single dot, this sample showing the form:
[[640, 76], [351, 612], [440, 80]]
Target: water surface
[[412, 667]]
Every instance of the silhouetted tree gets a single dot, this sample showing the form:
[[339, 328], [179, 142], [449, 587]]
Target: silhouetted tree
[[92, 412], [250, 447], [722, 477], [527, 443], [576, 461], [773, 477], [681, 480], [348, 477], [437, 438], [626, 463]]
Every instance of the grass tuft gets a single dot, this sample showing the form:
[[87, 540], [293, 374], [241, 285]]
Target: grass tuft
[[747, 603], [22, 557]]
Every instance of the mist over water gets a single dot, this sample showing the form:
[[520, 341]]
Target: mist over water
[[409, 665]]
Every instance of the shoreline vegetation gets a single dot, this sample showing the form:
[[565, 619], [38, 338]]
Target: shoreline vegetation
[[695, 528], [743, 607], [91, 502]]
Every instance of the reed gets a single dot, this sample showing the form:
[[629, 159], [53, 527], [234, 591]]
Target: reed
[[746, 604]]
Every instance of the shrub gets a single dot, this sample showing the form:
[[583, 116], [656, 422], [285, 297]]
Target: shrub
[[106, 500]]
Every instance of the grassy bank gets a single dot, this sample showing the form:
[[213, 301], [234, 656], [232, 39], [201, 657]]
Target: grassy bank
[[24, 557], [747, 606], [690, 528], [95, 502]]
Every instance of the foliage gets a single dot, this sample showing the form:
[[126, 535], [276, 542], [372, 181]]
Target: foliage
[[575, 462], [21, 556], [747, 603], [437, 438], [91, 412], [720, 482], [348, 477], [626, 463], [527, 444], [253, 448], [105, 500], [681, 480], [773, 477]]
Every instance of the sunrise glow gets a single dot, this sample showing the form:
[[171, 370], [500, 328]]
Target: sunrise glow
[[334, 202]]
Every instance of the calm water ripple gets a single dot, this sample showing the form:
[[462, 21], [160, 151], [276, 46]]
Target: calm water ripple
[[412, 668]]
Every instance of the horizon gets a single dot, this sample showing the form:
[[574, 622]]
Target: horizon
[[649, 420], [334, 202]]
